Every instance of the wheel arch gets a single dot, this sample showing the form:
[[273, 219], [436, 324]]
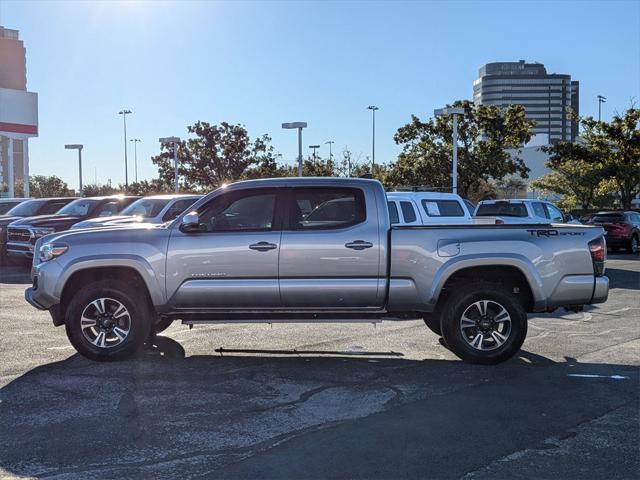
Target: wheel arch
[[512, 276], [84, 276]]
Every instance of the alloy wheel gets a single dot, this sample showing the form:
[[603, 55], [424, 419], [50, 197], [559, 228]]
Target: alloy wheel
[[105, 322], [485, 325]]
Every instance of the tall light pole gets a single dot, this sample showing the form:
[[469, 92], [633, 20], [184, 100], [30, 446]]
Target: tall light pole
[[299, 126], [330, 142], [124, 113], [175, 142], [135, 154], [601, 100], [453, 111], [373, 109], [314, 148], [77, 146]]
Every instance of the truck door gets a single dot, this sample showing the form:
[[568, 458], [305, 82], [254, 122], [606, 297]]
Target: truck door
[[232, 261], [330, 250]]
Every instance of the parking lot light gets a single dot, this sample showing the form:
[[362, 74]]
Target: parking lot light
[[299, 126], [175, 142], [77, 146]]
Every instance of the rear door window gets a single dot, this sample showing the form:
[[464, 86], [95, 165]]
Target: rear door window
[[442, 208], [326, 208], [408, 212], [554, 213], [539, 210]]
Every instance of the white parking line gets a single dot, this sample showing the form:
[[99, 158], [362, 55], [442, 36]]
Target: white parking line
[[589, 375]]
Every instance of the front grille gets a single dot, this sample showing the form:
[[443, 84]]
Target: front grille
[[20, 235]]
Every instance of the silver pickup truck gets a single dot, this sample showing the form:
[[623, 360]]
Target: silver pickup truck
[[313, 250]]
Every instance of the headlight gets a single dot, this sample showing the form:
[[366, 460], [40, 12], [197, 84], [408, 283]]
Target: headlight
[[51, 250], [41, 232]]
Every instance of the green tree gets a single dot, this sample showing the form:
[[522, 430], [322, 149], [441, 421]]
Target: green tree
[[95, 190], [511, 187], [217, 154], [580, 184], [146, 187], [43, 186], [607, 154], [485, 134]]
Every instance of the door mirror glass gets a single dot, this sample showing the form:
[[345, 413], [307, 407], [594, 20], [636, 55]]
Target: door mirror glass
[[190, 222]]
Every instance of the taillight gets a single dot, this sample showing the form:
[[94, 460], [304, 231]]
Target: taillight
[[598, 250], [499, 221]]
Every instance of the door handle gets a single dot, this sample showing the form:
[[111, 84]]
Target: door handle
[[358, 245], [263, 246]]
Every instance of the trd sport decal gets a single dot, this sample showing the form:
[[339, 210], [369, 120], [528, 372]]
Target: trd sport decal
[[552, 233]]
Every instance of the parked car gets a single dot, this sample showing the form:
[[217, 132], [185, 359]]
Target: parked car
[[7, 204], [154, 209], [622, 229], [28, 208], [259, 251], [23, 233], [523, 211], [427, 208]]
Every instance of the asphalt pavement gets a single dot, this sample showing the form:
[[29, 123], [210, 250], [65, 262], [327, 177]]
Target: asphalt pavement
[[306, 401]]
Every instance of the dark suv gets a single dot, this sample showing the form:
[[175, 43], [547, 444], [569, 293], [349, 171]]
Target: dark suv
[[622, 229], [22, 234], [28, 208]]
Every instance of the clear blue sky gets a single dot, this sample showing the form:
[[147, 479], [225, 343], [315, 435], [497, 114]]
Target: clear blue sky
[[264, 63]]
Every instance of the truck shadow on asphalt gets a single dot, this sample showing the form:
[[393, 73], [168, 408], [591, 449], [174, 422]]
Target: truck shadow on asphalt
[[627, 279], [167, 413]]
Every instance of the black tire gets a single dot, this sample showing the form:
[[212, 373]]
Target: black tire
[[459, 338], [633, 247], [138, 320], [162, 324], [433, 323]]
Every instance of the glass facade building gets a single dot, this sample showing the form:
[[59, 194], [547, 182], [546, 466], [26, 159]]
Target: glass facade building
[[545, 97]]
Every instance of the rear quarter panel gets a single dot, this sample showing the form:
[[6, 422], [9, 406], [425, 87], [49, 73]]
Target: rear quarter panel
[[423, 258]]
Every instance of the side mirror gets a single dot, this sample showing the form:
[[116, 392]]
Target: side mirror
[[191, 223]]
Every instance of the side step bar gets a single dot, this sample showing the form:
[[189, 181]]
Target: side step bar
[[283, 320], [290, 317]]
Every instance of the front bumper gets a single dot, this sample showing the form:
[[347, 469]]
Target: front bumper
[[43, 293], [23, 250], [28, 296]]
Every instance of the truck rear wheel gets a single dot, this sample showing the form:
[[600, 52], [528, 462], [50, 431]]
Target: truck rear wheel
[[106, 320], [483, 323]]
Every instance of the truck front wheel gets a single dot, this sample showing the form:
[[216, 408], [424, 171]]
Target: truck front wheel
[[106, 320], [483, 323]]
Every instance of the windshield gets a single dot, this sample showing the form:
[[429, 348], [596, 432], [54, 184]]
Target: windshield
[[78, 208], [502, 209], [146, 207], [26, 209]]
